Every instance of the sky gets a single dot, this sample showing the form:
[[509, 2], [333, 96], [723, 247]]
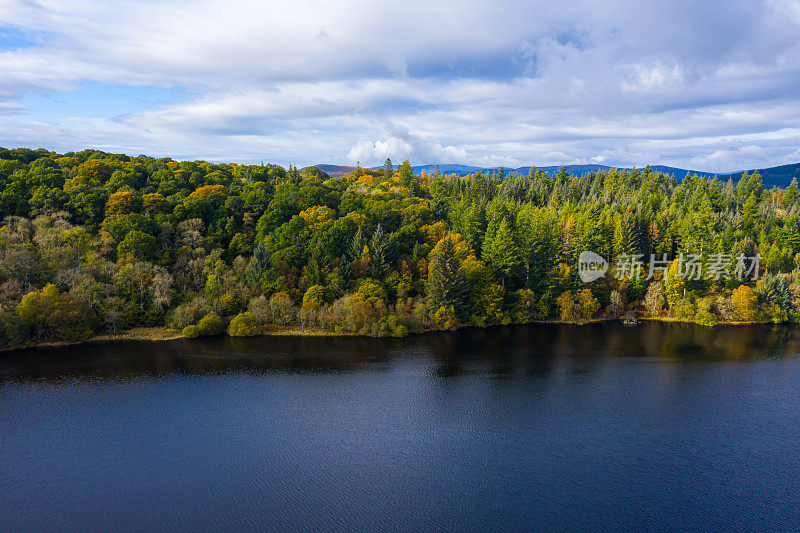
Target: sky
[[708, 85]]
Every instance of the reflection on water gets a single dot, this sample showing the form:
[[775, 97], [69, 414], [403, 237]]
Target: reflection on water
[[501, 351], [601, 427]]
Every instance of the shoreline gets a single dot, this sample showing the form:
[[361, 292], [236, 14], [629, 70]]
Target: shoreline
[[163, 333]]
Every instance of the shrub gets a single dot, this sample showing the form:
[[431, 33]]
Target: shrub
[[244, 325], [684, 309], [314, 296], [189, 313], [211, 324], [704, 315]]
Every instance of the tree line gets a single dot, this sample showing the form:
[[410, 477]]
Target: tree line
[[93, 242]]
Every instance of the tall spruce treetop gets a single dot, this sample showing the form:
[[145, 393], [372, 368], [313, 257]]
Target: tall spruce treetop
[[405, 173], [447, 284], [502, 252], [378, 247]]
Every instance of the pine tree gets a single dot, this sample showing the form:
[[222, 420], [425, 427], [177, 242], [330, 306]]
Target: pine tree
[[356, 245], [447, 284], [387, 169], [378, 246], [344, 267], [405, 173], [790, 195], [792, 230], [259, 263], [501, 252], [750, 214], [469, 220], [314, 265], [626, 235], [539, 245]]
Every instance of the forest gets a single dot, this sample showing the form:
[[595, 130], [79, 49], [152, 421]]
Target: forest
[[98, 243]]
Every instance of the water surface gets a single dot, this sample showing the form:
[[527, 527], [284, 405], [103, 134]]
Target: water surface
[[657, 427]]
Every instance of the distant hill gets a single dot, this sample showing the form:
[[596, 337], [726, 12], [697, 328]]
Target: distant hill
[[575, 170], [780, 176], [335, 171]]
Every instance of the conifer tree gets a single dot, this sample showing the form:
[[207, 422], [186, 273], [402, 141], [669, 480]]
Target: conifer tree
[[446, 285], [314, 265], [405, 173], [260, 262], [790, 195], [501, 251], [378, 246], [356, 245]]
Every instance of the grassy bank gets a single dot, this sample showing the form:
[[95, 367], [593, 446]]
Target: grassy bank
[[168, 334]]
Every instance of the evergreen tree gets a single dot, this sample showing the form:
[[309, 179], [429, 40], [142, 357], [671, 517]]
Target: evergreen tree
[[501, 251], [314, 265], [447, 284], [790, 195], [344, 267], [378, 248], [405, 173], [260, 262], [356, 246]]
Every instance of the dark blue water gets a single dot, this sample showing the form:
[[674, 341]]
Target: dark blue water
[[658, 427]]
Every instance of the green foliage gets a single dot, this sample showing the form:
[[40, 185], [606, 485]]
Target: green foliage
[[138, 246], [501, 252], [447, 284], [244, 325], [209, 325], [95, 242], [586, 304], [314, 296], [51, 315]]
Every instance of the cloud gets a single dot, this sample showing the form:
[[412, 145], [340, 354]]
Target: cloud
[[713, 85], [402, 144]]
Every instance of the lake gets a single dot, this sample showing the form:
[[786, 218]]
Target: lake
[[656, 427]]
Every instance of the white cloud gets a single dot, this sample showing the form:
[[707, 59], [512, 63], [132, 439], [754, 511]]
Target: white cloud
[[400, 143], [712, 86]]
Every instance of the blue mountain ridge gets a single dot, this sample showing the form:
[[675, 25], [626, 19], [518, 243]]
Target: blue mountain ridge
[[780, 176]]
